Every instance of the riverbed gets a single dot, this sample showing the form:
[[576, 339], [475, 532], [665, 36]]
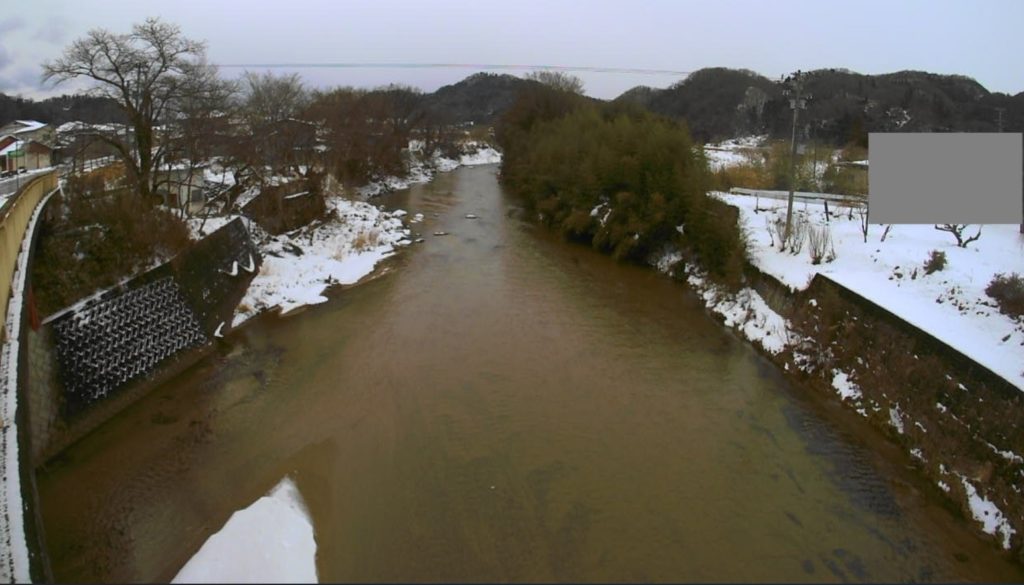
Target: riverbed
[[501, 406]]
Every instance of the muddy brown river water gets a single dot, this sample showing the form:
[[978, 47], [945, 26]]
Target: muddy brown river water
[[501, 406]]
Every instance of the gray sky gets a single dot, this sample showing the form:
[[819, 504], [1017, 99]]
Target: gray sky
[[978, 38]]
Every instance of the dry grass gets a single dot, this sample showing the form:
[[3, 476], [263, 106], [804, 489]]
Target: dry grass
[[366, 240]]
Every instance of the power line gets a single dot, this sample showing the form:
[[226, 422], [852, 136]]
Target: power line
[[630, 70]]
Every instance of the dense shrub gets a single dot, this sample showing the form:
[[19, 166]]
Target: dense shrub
[[1008, 291], [936, 261], [619, 177]]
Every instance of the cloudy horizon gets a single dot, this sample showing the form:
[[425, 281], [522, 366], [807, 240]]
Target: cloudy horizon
[[976, 39]]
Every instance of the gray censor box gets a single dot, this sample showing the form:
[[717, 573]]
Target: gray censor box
[[945, 178]]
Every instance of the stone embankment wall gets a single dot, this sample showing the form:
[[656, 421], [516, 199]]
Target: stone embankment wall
[[88, 362], [962, 424]]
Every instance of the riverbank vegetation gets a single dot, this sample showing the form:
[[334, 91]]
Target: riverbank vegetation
[[620, 178]]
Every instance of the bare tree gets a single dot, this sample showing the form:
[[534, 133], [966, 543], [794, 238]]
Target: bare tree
[[198, 124], [957, 229], [270, 98], [558, 80], [145, 71], [862, 214], [272, 106]]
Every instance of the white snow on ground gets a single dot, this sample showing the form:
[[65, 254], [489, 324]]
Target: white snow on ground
[[14, 560], [992, 519], [422, 172], [846, 388], [271, 541], [731, 152], [744, 310], [483, 156], [341, 250], [209, 225], [950, 304]]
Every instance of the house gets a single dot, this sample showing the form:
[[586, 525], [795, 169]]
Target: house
[[30, 130], [18, 154], [26, 144], [180, 185]]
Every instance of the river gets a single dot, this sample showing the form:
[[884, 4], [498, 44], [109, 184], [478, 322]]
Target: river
[[501, 405]]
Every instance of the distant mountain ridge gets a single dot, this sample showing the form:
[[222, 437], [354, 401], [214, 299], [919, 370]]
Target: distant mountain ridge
[[719, 103]]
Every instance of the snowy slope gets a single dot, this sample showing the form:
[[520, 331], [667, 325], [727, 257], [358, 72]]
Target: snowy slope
[[950, 304]]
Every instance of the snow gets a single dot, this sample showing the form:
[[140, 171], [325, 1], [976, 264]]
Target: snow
[[16, 145], [745, 310], [28, 126], [731, 152], [422, 171], [846, 388], [299, 266], [950, 304], [14, 559], [341, 250], [483, 156], [896, 419], [271, 541], [991, 517]]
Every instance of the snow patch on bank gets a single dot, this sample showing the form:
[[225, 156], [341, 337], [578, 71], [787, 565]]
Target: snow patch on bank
[[744, 310], [299, 266], [271, 541], [846, 388], [991, 517]]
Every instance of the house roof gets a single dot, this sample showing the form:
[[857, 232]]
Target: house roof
[[28, 126], [20, 144], [10, 148]]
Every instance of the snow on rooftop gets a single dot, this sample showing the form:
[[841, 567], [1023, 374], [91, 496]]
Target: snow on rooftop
[[12, 147], [271, 541], [28, 126]]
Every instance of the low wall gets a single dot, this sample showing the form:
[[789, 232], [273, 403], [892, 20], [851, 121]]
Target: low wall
[[960, 421], [88, 362], [14, 220], [22, 556]]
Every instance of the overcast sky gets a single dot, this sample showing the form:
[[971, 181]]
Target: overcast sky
[[978, 38]]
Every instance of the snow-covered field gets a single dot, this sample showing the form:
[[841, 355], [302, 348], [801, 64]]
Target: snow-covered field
[[732, 152], [271, 541], [950, 304]]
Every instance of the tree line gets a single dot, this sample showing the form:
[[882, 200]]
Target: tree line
[[625, 180], [178, 110]]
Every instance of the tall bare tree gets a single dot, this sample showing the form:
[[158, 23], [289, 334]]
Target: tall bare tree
[[146, 72], [272, 106]]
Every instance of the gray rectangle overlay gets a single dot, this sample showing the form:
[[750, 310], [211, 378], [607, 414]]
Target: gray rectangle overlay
[[936, 178]]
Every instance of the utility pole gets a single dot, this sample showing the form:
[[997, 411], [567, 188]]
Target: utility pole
[[797, 101], [999, 128]]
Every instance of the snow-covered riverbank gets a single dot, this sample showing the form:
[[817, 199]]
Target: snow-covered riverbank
[[950, 304], [344, 248]]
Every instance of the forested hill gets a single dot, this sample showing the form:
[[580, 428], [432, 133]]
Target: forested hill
[[57, 110], [720, 103], [717, 103]]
